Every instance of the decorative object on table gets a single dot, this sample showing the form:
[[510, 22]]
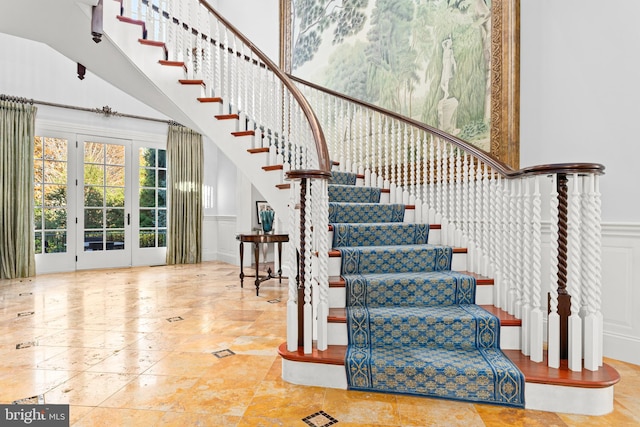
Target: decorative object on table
[[265, 216]]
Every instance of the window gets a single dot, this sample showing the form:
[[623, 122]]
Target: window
[[153, 198], [50, 194]]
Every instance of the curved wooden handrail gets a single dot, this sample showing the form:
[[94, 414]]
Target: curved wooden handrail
[[499, 166], [324, 162]]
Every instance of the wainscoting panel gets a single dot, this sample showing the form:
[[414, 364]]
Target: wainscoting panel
[[219, 239], [621, 291]]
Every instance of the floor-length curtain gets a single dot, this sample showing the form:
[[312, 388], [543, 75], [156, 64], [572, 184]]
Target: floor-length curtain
[[185, 163], [17, 127]]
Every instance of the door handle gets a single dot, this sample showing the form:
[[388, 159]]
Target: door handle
[[128, 219]]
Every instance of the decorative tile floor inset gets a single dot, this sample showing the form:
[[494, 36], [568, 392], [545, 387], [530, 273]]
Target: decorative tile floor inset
[[320, 419], [26, 313], [26, 344], [223, 353]]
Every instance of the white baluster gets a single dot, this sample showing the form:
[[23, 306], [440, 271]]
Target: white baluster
[[323, 265], [405, 163], [526, 277], [536, 316], [496, 240], [553, 335], [512, 234], [574, 277], [307, 309]]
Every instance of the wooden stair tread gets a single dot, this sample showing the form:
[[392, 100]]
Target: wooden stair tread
[[339, 315], [191, 82], [227, 116], [210, 99], [533, 372], [258, 150], [334, 253], [339, 282], [283, 186], [172, 63], [272, 168], [243, 133], [431, 226]]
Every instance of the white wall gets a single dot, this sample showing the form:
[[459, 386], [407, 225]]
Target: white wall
[[258, 20], [580, 91]]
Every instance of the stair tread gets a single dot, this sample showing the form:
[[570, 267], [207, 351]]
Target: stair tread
[[339, 315], [339, 282], [209, 99], [243, 133], [335, 253], [534, 372]]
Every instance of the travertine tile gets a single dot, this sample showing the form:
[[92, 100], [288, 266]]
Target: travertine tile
[[104, 346]]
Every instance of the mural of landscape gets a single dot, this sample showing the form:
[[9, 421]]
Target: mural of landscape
[[425, 59]]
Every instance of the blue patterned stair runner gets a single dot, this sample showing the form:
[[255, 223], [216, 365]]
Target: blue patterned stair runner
[[412, 323], [353, 194], [381, 234], [344, 178]]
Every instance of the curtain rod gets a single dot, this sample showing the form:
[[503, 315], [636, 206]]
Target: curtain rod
[[106, 110]]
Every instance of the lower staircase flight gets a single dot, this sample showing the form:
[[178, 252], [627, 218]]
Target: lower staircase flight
[[413, 325]]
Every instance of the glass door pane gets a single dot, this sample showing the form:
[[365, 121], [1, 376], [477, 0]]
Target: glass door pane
[[104, 219]]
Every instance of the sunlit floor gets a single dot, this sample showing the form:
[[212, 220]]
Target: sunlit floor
[[186, 346]]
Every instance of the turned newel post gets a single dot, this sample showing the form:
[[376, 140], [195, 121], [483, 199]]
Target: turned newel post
[[301, 260], [564, 299]]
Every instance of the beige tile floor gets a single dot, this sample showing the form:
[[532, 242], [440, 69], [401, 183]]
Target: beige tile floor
[[185, 346]]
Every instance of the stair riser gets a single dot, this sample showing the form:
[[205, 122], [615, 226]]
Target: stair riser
[[458, 263], [509, 336], [434, 236], [338, 296]]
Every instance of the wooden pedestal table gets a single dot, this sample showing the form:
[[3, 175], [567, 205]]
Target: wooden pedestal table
[[258, 239]]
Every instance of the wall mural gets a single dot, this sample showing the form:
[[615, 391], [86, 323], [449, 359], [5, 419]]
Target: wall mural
[[431, 60]]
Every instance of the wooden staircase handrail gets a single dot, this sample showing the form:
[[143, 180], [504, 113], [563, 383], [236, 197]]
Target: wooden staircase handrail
[[502, 168], [324, 163]]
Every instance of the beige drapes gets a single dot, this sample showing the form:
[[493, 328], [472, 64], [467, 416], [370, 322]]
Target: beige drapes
[[185, 164], [17, 128]]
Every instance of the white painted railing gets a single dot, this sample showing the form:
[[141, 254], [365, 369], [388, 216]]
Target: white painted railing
[[217, 56], [493, 211], [481, 203]]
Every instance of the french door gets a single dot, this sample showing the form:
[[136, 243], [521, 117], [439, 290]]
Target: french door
[[104, 237], [100, 202]]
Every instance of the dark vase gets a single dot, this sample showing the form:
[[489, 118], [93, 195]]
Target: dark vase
[[266, 217]]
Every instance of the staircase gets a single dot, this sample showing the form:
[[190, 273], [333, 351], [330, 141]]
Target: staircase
[[412, 323], [203, 73]]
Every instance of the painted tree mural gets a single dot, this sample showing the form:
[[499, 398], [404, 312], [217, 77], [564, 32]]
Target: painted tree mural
[[426, 59]]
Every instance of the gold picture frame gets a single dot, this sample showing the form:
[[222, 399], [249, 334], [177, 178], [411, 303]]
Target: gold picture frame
[[505, 75]]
